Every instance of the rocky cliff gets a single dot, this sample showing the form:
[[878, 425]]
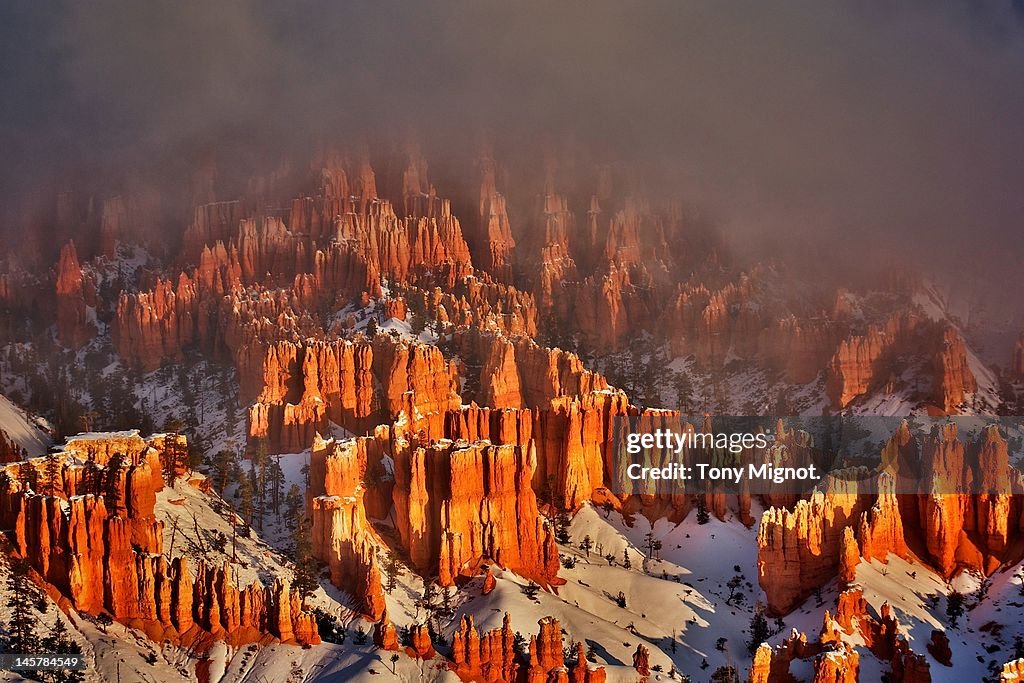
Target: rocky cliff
[[452, 502], [342, 535], [491, 657], [102, 552], [76, 294]]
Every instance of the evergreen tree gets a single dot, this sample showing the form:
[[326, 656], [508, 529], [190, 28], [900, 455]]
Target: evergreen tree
[[733, 585], [760, 631], [293, 506], [59, 641], [725, 674], [391, 572], [649, 543], [245, 501], [586, 544], [53, 477], [684, 392], [954, 607], [222, 466], [174, 457], [306, 568], [91, 475], [625, 559], [562, 528], [703, 516], [276, 484], [113, 480], [260, 482], [22, 622]]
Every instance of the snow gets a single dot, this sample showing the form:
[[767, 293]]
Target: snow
[[682, 593], [917, 598], [21, 429]]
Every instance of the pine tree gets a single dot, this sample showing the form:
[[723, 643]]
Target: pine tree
[[222, 465], [684, 392], [113, 480], [174, 456], [625, 559], [245, 504], [293, 504], [391, 571], [53, 475], [91, 476], [562, 528], [59, 641], [306, 567], [725, 674], [703, 516], [22, 622], [276, 484], [586, 544], [649, 543], [733, 585], [954, 607], [760, 631], [261, 479]]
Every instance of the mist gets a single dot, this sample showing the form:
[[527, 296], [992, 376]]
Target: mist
[[881, 131]]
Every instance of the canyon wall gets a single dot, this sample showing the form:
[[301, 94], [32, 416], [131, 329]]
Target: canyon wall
[[92, 539]]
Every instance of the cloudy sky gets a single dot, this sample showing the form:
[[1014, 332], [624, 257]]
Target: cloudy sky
[[895, 124]]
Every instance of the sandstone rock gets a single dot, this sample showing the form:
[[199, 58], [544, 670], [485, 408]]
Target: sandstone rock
[[849, 558], [799, 550], [1012, 671], [838, 666], [344, 540], [939, 648], [211, 223], [420, 644], [581, 673], [641, 661], [151, 327], [110, 562], [74, 326], [855, 366], [488, 657], [452, 503], [490, 583], [953, 376], [385, 636], [881, 527], [10, 450], [309, 383]]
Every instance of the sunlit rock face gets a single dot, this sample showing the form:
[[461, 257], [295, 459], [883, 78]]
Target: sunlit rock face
[[94, 540]]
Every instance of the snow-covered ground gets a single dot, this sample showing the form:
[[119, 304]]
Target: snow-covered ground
[[25, 431]]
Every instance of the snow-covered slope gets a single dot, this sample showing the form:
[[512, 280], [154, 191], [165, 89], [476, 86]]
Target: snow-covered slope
[[22, 429]]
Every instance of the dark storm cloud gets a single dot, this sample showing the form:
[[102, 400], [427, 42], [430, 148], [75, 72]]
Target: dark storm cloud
[[895, 122]]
